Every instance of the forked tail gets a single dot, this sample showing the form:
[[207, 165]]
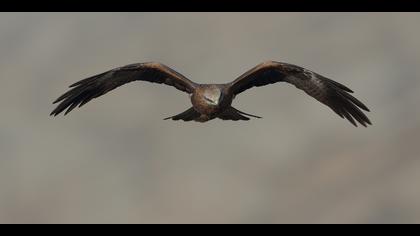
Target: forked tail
[[233, 114], [229, 114], [188, 115]]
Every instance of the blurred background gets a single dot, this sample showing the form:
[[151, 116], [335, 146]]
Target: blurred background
[[116, 161]]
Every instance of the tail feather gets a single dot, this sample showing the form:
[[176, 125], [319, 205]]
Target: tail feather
[[243, 113], [234, 114], [188, 115]]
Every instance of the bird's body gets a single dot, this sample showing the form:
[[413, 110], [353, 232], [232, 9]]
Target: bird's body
[[210, 101]]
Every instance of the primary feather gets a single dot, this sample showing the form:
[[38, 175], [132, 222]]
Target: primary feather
[[85, 90], [331, 93]]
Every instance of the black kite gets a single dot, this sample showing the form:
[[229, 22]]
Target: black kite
[[214, 100]]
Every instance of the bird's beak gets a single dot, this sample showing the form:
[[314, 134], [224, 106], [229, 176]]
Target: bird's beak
[[216, 102], [212, 102]]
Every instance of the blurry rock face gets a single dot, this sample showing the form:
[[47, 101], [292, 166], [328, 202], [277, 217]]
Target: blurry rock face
[[115, 160]]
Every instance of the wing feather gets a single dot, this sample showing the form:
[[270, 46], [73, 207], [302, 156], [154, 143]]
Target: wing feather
[[329, 92], [87, 89]]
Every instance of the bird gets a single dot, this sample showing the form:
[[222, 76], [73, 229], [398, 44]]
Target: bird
[[210, 101]]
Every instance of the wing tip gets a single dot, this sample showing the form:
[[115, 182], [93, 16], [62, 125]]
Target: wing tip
[[54, 113]]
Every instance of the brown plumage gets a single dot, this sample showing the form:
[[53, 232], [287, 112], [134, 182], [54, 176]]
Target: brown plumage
[[214, 100]]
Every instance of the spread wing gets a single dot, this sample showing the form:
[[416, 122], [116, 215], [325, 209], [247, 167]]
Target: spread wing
[[327, 91], [98, 85]]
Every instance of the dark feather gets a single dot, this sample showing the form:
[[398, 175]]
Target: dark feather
[[87, 89], [333, 94], [188, 115], [233, 114]]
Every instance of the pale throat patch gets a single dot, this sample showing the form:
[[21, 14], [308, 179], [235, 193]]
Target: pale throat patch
[[213, 95]]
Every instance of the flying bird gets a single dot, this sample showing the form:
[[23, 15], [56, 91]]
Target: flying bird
[[210, 101]]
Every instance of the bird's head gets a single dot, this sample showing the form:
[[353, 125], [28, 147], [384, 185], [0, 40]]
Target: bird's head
[[213, 96]]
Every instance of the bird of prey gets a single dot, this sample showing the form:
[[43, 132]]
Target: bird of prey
[[210, 101]]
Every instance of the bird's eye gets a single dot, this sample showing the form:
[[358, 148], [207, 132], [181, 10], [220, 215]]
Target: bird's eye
[[209, 100]]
